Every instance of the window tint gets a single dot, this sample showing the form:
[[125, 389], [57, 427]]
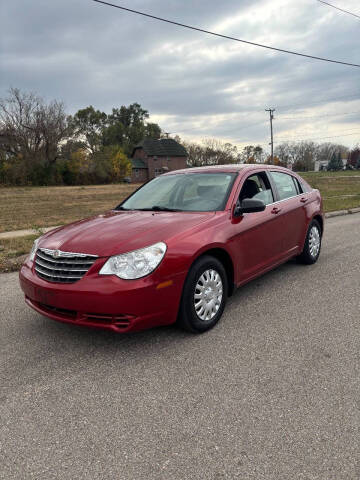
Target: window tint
[[284, 184], [258, 187]]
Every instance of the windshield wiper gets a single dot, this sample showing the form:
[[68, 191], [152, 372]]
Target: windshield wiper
[[159, 208]]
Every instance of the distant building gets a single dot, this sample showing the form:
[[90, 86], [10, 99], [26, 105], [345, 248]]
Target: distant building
[[151, 158], [323, 164]]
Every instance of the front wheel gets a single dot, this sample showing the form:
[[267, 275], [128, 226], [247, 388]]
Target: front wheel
[[312, 245], [204, 295]]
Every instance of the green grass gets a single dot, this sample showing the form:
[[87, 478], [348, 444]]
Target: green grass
[[335, 188], [324, 173]]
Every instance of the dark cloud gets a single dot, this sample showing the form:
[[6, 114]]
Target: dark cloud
[[192, 84]]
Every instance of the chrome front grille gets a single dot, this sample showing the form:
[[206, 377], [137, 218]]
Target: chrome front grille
[[62, 267]]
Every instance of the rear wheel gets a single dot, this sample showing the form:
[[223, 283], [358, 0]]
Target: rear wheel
[[312, 245], [204, 295]]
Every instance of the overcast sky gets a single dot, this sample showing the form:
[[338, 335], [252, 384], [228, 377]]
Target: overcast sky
[[193, 84]]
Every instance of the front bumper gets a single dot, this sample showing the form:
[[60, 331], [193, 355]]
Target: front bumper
[[106, 302]]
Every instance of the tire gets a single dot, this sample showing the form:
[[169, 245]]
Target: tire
[[204, 295], [312, 246]]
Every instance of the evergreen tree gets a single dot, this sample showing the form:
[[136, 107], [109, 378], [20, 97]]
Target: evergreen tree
[[335, 162], [340, 162]]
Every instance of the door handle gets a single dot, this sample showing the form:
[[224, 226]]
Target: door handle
[[276, 210], [303, 200]]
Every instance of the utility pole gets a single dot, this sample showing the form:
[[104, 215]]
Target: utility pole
[[271, 113]]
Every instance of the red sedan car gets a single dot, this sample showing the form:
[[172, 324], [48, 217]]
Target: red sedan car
[[175, 249]]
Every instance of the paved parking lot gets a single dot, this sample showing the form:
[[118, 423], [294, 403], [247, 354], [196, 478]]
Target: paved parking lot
[[272, 392]]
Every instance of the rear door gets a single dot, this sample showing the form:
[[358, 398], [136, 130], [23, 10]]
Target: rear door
[[290, 205]]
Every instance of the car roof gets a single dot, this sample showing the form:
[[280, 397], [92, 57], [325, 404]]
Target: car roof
[[234, 167]]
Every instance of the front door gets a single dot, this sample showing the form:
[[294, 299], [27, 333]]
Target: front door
[[257, 236]]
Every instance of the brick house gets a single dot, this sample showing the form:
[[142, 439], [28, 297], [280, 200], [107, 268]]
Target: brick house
[[151, 158]]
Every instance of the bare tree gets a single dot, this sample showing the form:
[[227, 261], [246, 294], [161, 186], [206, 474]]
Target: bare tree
[[30, 128], [252, 154], [303, 155], [210, 152]]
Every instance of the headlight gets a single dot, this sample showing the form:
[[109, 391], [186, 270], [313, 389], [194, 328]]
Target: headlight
[[136, 264], [34, 248]]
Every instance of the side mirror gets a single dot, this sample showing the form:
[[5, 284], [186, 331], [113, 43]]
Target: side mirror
[[249, 205]]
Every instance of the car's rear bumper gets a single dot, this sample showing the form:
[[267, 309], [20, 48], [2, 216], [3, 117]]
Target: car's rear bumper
[[105, 302]]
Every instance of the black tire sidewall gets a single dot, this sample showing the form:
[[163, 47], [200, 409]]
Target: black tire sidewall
[[188, 318]]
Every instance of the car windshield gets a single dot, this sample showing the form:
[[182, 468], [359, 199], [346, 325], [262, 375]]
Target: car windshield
[[202, 192]]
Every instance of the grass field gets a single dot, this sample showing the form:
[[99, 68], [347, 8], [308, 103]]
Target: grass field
[[36, 207], [13, 252], [339, 190]]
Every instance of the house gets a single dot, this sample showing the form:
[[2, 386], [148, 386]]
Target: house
[[323, 164], [151, 158]]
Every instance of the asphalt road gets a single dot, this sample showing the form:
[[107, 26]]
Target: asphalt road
[[273, 392]]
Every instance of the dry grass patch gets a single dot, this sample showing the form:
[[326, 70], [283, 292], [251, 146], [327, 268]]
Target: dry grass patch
[[29, 207], [13, 252]]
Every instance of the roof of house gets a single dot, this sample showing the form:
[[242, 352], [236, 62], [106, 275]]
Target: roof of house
[[165, 147], [137, 163]]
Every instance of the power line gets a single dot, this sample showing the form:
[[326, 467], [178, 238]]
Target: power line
[[286, 107], [338, 8], [304, 133], [226, 36], [319, 116], [321, 138]]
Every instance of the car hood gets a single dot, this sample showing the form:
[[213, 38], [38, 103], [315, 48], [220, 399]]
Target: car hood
[[120, 231]]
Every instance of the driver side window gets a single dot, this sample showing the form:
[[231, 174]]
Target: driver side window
[[257, 187]]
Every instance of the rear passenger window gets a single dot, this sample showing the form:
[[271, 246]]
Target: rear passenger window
[[285, 185]]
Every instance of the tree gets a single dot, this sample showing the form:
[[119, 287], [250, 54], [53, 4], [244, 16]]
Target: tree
[[88, 124], [335, 162], [276, 161], [284, 153], [210, 152], [78, 168], [111, 165], [252, 154], [121, 165], [127, 126], [218, 152], [31, 131], [354, 157]]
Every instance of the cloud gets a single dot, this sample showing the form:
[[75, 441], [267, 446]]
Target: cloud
[[193, 84]]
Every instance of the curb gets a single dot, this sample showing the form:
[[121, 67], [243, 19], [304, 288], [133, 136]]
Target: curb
[[24, 233], [339, 213]]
